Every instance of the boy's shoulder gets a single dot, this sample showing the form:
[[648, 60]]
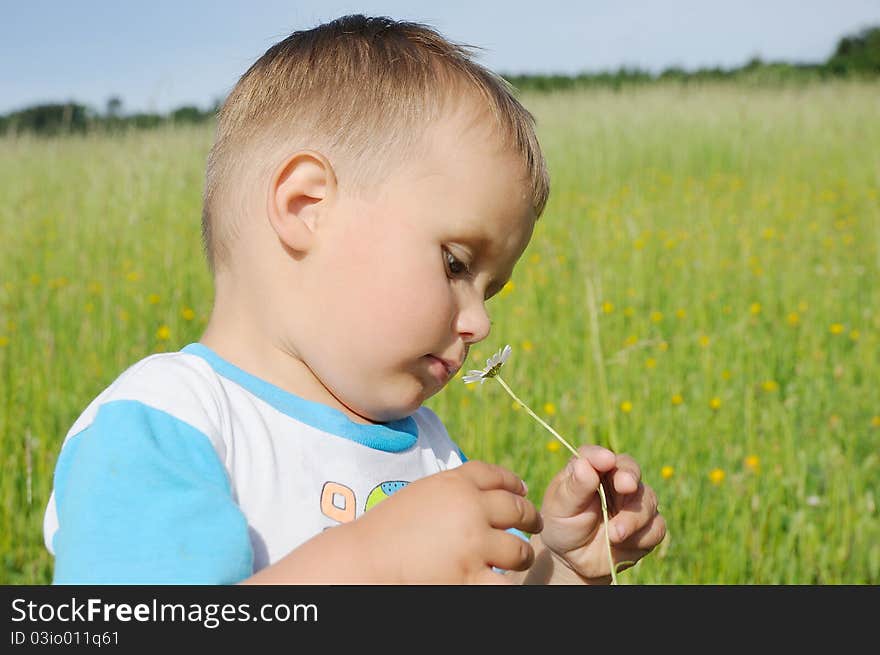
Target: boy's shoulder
[[177, 383], [434, 435]]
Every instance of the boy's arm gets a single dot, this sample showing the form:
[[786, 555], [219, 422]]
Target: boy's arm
[[338, 555]]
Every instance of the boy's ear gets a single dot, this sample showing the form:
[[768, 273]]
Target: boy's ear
[[297, 192]]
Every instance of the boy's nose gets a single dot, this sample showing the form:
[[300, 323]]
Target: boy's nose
[[473, 322]]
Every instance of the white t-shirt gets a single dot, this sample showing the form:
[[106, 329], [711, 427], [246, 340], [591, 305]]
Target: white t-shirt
[[188, 470]]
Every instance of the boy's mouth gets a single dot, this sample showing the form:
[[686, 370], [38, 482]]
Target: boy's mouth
[[449, 367]]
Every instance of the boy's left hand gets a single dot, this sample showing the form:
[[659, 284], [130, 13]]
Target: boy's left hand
[[574, 529]]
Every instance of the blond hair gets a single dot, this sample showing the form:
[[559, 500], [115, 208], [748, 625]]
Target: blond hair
[[362, 89]]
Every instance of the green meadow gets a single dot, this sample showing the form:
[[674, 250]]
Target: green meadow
[[701, 293]]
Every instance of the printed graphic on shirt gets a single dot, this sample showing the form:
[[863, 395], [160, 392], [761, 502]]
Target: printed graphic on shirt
[[382, 492], [338, 501]]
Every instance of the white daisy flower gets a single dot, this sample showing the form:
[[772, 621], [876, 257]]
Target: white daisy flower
[[493, 366]]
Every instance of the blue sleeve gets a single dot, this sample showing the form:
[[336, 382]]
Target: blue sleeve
[[142, 498]]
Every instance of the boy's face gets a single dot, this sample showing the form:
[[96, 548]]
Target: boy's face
[[398, 283]]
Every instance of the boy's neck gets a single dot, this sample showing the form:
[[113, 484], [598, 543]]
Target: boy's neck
[[237, 334]]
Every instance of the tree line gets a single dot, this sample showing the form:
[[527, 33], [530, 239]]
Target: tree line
[[856, 55]]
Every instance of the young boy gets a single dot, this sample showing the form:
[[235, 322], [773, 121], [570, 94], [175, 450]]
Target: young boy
[[370, 187]]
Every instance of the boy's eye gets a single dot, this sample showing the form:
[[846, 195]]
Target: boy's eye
[[454, 266]]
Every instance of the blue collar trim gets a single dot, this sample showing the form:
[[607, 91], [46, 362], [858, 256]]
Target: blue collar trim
[[392, 437]]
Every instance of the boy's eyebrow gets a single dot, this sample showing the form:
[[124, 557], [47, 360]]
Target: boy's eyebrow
[[495, 287]]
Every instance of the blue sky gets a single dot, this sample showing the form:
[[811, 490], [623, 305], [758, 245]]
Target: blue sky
[[162, 54]]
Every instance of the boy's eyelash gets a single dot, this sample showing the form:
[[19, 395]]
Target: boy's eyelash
[[450, 261]]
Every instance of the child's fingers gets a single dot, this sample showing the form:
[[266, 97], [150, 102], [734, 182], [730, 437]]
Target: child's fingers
[[638, 511], [491, 476], [506, 510], [509, 552], [601, 459], [572, 490], [627, 476], [642, 542]]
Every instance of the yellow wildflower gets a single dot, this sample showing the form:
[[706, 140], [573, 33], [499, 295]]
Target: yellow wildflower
[[794, 318], [875, 421], [677, 399], [836, 328], [854, 335], [553, 445], [770, 385], [715, 403], [187, 313], [626, 407], [527, 345], [607, 307], [680, 313], [650, 362], [752, 463], [4, 341], [153, 299], [667, 472], [163, 333], [704, 340], [549, 409], [755, 308], [656, 316], [716, 476]]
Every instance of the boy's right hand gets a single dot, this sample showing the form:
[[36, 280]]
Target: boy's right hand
[[450, 528]]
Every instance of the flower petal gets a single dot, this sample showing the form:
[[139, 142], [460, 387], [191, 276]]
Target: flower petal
[[472, 376]]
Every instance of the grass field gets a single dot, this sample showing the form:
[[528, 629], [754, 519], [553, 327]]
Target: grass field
[[702, 293]]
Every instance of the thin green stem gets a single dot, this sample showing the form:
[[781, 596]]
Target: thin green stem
[[602, 499]]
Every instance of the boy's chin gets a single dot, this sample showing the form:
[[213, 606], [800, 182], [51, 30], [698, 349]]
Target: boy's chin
[[397, 411], [406, 399]]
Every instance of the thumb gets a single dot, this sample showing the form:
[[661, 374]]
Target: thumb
[[572, 490]]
